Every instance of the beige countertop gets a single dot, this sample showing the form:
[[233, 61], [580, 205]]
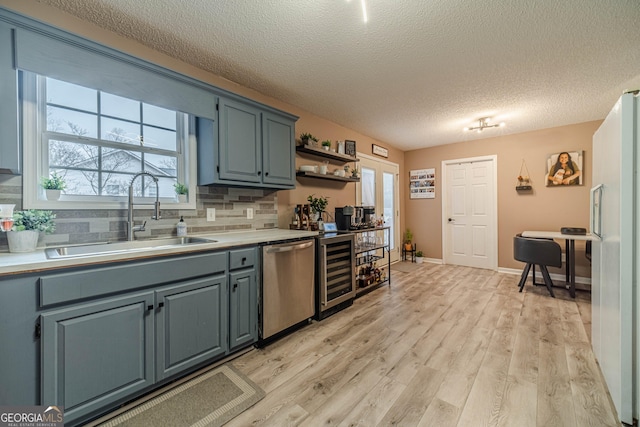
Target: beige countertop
[[16, 263]]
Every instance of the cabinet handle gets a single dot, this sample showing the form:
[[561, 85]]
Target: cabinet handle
[[244, 259], [235, 285], [161, 304], [259, 173], [266, 174], [150, 307]]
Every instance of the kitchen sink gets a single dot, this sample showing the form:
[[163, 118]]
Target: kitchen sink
[[93, 249]]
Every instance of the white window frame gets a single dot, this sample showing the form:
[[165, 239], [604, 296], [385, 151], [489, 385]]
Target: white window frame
[[35, 162]]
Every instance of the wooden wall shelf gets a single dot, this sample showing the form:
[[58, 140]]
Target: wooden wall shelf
[[330, 177], [326, 154]]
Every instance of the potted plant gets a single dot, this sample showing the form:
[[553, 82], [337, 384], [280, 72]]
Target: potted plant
[[326, 144], [355, 173], [419, 257], [318, 204], [53, 186], [308, 139], [408, 237], [26, 229], [181, 191]]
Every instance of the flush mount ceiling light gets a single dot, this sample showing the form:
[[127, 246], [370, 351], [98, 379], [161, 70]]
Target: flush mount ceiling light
[[364, 10], [483, 123]]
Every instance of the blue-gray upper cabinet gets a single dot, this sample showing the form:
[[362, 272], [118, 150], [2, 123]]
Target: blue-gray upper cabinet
[[97, 353], [9, 143], [248, 146], [191, 324], [243, 298], [278, 150], [240, 142]]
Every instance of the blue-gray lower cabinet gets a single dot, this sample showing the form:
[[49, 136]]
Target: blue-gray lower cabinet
[[191, 324], [97, 353], [243, 308], [91, 338], [243, 297]]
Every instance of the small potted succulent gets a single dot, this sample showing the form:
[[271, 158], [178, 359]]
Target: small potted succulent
[[419, 257], [26, 229], [326, 144], [53, 186], [181, 191]]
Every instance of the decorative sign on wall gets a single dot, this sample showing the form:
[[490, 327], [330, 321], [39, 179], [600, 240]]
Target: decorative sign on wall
[[380, 151], [422, 184]]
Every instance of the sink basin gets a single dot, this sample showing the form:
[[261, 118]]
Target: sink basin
[[92, 249]]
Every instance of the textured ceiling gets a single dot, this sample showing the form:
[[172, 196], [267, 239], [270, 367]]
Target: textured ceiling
[[417, 72]]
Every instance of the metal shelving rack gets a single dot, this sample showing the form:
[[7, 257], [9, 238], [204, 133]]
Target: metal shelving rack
[[372, 245]]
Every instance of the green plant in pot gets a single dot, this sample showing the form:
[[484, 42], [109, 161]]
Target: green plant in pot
[[326, 144], [408, 238], [318, 204], [53, 186], [308, 139], [26, 229], [181, 191], [419, 257]]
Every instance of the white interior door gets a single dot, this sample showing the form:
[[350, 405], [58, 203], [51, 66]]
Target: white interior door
[[470, 212], [379, 187]]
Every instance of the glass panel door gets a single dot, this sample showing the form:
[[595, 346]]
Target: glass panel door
[[389, 205], [378, 187], [368, 183]]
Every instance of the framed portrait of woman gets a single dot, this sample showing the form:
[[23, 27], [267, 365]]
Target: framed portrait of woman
[[564, 169]]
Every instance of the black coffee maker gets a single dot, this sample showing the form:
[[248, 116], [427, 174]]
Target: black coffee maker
[[368, 213], [343, 217]]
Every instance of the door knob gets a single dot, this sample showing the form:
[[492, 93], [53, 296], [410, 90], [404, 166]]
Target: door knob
[[451, 220]]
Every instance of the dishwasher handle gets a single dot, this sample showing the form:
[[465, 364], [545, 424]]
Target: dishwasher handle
[[286, 247]]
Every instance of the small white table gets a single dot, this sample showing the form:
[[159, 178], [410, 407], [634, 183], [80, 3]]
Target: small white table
[[570, 246]]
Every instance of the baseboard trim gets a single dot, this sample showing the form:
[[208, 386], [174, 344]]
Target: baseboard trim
[[584, 282], [554, 276]]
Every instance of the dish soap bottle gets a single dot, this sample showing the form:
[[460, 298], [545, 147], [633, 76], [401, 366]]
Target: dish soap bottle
[[181, 228]]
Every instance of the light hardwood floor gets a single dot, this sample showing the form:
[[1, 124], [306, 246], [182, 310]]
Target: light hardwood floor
[[443, 346]]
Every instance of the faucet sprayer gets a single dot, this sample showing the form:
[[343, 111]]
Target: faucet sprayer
[[131, 228]]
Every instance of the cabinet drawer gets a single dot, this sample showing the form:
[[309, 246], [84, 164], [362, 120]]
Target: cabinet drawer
[[242, 258], [88, 283]]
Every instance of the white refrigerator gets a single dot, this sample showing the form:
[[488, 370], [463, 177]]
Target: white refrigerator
[[614, 219]]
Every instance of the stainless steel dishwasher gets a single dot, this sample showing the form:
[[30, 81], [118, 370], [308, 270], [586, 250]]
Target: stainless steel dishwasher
[[288, 271]]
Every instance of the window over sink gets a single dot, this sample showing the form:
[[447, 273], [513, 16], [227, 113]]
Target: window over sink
[[97, 141]]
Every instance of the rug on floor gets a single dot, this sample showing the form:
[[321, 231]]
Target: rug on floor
[[210, 399], [405, 267]]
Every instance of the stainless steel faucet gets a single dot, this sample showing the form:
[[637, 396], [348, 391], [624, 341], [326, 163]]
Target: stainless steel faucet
[[131, 228]]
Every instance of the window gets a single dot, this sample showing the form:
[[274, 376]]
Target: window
[[97, 142]]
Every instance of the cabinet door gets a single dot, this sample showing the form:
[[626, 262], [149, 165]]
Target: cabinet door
[[240, 142], [243, 311], [191, 324], [10, 142], [278, 150], [97, 353]]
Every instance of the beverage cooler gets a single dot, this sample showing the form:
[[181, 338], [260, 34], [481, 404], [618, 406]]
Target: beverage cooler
[[335, 277]]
